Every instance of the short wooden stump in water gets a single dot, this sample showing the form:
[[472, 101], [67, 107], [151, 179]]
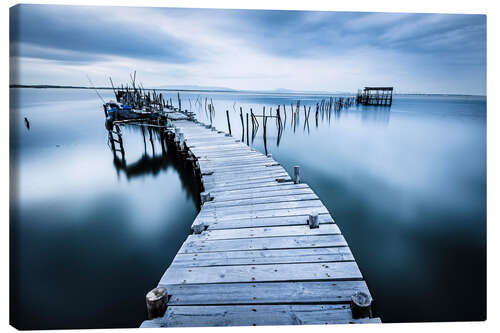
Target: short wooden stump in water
[[156, 301], [361, 305]]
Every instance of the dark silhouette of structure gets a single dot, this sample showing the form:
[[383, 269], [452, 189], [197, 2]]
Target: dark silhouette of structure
[[375, 96]]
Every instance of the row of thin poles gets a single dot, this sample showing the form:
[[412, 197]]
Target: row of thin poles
[[322, 108], [326, 105]]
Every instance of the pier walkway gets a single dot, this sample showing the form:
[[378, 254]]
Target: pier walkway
[[253, 259]]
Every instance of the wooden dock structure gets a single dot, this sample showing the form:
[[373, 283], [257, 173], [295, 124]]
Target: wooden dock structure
[[264, 248], [375, 96]]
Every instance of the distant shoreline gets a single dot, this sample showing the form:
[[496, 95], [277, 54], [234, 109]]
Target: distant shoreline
[[44, 86]]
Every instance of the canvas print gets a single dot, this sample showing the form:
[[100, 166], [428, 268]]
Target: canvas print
[[188, 167]]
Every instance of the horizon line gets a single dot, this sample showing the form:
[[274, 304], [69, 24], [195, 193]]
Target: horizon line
[[230, 90]]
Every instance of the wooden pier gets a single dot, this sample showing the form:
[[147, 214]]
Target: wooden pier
[[375, 96], [264, 248]]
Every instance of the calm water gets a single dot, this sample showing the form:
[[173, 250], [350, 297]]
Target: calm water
[[406, 186]]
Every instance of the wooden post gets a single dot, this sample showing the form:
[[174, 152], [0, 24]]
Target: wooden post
[[198, 228], [248, 142], [156, 302], [296, 175], [253, 121], [205, 196], [228, 122], [181, 141], [177, 132], [264, 121], [313, 220], [278, 115], [361, 305], [242, 122]]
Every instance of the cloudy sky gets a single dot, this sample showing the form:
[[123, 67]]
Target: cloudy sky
[[249, 49]]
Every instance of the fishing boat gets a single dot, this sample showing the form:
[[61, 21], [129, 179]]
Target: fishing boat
[[134, 103]]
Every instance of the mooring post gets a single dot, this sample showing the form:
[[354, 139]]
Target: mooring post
[[248, 142], [296, 175], [228, 122], [181, 141], [242, 123], [156, 302], [199, 228], [313, 220], [205, 196], [361, 305], [253, 121]]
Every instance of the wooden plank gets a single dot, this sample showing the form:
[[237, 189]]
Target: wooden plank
[[300, 230], [268, 222], [194, 133], [222, 167], [215, 186], [260, 200], [325, 292], [255, 315], [210, 220], [223, 160], [194, 245], [242, 209], [251, 186], [205, 137], [236, 172], [345, 270], [233, 162], [200, 143], [261, 257], [222, 150], [228, 197], [244, 177], [212, 145], [209, 139], [273, 186], [242, 173], [256, 167], [210, 164], [223, 153]]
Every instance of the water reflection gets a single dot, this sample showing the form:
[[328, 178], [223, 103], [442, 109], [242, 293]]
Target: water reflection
[[375, 114], [152, 164]]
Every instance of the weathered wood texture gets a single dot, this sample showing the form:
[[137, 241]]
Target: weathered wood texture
[[254, 260]]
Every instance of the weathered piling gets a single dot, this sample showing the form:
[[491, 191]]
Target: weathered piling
[[296, 174], [313, 220], [361, 305], [228, 122], [248, 142], [242, 123], [156, 302]]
